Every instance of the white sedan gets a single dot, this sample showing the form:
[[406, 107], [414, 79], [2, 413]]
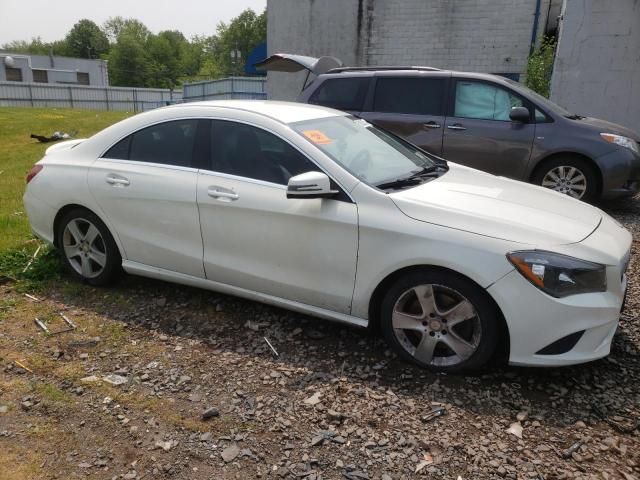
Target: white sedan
[[317, 211]]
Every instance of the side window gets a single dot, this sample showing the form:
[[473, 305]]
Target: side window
[[341, 93], [414, 95], [247, 151], [541, 117], [484, 101], [168, 143], [120, 151]]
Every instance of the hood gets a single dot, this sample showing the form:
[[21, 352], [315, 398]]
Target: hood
[[474, 201], [602, 126]]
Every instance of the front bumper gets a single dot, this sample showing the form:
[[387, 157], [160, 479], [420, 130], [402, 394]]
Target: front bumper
[[620, 173], [537, 320]]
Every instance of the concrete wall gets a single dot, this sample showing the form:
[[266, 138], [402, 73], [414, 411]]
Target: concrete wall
[[309, 27], [59, 69], [490, 36], [597, 67]]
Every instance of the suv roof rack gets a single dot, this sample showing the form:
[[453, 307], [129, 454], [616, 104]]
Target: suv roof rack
[[387, 68]]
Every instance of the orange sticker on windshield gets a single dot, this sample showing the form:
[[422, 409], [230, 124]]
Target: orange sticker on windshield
[[317, 137]]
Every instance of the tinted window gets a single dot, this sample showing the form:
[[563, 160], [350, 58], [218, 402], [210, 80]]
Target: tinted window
[[169, 143], [423, 96], [484, 101], [341, 93], [120, 151], [251, 152]]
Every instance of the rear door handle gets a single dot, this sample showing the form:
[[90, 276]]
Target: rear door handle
[[431, 124], [456, 126], [117, 180], [217, 192]]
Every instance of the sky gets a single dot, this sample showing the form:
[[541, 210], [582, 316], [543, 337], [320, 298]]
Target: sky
[[52, 19]]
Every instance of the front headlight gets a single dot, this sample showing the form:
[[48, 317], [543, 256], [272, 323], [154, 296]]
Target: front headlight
[[559, 275], [622, 141]]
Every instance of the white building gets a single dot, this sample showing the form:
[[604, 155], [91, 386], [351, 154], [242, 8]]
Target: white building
[[15, 67]]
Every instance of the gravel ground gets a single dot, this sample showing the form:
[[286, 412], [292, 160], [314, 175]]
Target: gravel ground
[[335, 403]]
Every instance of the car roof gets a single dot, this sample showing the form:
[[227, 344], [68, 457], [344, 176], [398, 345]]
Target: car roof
[[408, 72], [284, 112]]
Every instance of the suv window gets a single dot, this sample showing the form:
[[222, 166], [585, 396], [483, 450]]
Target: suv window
[[247, 151], [168, 143], [484, 101], [422, 96], [341, 93]]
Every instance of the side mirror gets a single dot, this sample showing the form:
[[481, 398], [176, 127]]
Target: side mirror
[[520, 114], [310, 185]]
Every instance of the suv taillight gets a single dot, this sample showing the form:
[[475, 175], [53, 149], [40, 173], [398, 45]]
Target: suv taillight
[[33, 172]]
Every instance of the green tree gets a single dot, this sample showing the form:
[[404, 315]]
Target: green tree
[[129, 63], [37, 47], [34, 47], [115, 26], [86, 40], [166, 51], [242, 33]]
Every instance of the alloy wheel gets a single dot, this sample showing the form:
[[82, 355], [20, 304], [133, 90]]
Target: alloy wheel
[[84, 247], [566, 179], [437, 325]]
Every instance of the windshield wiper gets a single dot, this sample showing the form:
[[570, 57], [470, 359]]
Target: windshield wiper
[[415, 178]]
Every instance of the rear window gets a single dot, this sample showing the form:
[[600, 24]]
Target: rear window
[[341, 93], [421, 96], [168, 143]]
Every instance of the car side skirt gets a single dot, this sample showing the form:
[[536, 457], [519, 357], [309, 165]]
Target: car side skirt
[[136, 268]]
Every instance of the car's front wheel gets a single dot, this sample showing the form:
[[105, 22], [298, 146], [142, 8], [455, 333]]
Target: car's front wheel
[[572, 176], [87, 248], [440, 320]]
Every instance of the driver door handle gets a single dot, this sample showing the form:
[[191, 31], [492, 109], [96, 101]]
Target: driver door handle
[[431, 124], [456, 126]]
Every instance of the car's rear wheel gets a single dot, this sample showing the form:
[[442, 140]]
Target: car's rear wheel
[[440, 320], [87, 248], [572, 176]]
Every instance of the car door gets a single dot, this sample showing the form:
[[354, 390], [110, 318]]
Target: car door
[[146, 187], [479, 132], [303, 250], [412, 107]]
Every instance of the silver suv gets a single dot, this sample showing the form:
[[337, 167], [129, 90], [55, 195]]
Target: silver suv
[[484, 121]]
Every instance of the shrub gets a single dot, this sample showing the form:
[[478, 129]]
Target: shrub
[[540, 66]]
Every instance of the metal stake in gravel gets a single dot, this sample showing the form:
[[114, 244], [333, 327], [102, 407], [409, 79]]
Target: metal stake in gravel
[[43, 326], [271, 346]]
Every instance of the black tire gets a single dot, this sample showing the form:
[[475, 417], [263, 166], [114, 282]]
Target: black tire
[[112, 268], [592, 189], [445, 283]]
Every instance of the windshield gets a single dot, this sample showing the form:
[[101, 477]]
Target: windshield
[[369, 153], [543, 101]]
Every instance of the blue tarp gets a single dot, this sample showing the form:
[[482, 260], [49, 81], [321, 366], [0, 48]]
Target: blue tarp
[[257, 55]]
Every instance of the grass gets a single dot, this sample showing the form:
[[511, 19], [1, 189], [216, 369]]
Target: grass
[[18, 153]]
